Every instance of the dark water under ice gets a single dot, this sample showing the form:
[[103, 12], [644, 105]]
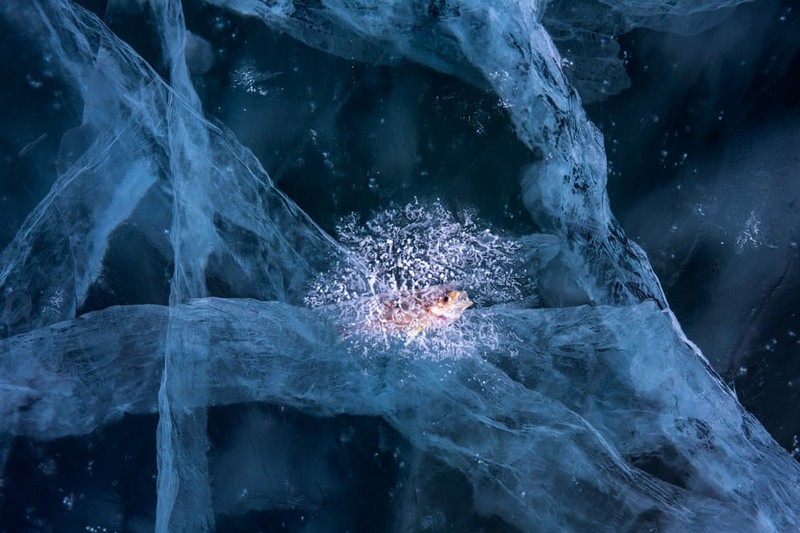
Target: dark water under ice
[[704, 156]]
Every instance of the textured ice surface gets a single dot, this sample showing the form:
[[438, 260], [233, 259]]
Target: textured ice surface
[[163, 275], [145, 167], [505, 46], [590, 424]]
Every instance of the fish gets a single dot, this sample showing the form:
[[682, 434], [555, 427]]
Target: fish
[[412, 312]]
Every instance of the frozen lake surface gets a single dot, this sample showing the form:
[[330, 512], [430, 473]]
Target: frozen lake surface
[[206, 209]]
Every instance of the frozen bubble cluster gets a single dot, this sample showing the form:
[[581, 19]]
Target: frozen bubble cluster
[[422, 244], [402, 260]]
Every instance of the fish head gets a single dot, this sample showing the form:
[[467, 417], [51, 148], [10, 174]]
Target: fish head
[[451, 305]]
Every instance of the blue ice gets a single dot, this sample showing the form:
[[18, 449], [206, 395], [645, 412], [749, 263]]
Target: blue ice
[[591, 412]]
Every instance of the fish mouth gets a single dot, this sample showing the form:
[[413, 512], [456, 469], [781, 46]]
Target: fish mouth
[[451, 305], [461, 299]]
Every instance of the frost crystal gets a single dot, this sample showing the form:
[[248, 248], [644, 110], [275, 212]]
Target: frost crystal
[[400, 255]]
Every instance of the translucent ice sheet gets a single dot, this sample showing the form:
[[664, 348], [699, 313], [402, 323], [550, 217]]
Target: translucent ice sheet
[[164, 275]]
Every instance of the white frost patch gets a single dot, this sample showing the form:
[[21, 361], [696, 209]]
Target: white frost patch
[[403, 251]]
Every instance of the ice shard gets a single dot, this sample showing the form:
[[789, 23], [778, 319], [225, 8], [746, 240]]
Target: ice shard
[[164, 275]]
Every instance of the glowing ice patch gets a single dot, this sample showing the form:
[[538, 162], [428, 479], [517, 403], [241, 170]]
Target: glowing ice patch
[[412, 273]]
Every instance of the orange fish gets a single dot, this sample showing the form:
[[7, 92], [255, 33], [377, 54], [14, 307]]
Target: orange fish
[[428, 308]]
